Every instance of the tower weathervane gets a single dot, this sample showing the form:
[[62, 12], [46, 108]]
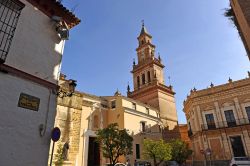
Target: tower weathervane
[[169, 80], [142, 21]]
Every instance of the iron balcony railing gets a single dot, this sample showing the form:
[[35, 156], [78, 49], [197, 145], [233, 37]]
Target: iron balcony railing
[[225, 124]]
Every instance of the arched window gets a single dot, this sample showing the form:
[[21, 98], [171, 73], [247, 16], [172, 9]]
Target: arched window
[[143, 79], [96, 121], [149, 79], [138, 82]]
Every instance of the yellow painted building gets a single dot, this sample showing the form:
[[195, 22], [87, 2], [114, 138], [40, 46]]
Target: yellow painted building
[[81, 115], [218, 121], [146, 113]]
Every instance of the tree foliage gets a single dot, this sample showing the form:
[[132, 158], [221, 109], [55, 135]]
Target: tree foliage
[[114, 142], [229, 14], [157, 150], [180, 151], [59, 155]]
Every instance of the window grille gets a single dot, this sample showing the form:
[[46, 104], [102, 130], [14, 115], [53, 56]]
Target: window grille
[[10, 11]]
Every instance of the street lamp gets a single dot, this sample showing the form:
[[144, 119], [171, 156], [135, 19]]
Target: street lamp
[[63, 92]]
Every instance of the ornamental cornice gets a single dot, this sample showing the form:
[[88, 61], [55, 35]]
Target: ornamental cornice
[[147, 63], [215, 93], [221, 96]]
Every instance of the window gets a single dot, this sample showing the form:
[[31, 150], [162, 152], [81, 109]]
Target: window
[[143, 79], [237, 146], [138, 82], [137, 149], [10, 11], [113, 104], [149, 79], [190, 133], [230, 118], [248, 112], [147, 110], [189, 124], [143, 126], [134, 106], [210, 121]]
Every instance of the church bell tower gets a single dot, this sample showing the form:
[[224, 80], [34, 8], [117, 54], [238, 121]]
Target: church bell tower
[[149, 82]]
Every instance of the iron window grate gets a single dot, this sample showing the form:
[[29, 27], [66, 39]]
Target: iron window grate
[[10, 11]]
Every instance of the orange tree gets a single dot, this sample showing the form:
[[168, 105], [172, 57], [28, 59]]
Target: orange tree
[[159, 151], [180, 150], [114, 142]]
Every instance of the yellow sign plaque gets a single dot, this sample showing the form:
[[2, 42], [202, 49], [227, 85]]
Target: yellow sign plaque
[[28, 102]]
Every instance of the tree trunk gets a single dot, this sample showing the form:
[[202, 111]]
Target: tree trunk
[[155, 164]]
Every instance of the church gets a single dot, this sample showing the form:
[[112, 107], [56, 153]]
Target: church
[[146, 112]]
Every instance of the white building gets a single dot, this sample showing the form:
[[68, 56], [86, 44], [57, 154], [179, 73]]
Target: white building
[[31, 48]]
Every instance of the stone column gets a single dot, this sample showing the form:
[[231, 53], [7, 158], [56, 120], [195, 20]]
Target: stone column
[[238, 109], [199, 116], [101, 117], [218, 113], [91, 118]]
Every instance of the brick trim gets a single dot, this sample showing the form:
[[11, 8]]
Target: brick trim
[[18, 73]]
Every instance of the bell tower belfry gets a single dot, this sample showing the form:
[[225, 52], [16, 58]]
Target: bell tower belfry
[[149, 83]]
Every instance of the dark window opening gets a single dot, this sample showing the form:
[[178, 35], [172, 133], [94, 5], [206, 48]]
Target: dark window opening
[[137, 151], [143, 126], [149, 79], [237, 146], [134, 106], [143, 79], [230, 118], [210, 121], [190, 133], [10, 11], [248, 112], [138, 82], [113, 104]]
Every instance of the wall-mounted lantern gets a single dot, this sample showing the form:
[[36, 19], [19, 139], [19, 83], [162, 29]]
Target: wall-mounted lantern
[[62, 28]]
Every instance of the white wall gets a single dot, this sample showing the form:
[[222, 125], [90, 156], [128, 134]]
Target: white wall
[[36, 48], [20, 142]]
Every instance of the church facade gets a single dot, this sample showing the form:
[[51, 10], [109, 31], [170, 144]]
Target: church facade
[[145, 112]]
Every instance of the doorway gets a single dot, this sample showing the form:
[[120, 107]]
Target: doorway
[[94, 152], [237, 146]]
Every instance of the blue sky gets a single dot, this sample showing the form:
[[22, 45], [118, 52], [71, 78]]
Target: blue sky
[[197, 43]]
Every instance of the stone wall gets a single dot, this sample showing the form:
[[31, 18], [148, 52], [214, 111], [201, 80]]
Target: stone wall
[[68, 119]]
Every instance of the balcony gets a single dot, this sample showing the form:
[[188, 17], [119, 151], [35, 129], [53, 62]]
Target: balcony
[[225, 124]]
